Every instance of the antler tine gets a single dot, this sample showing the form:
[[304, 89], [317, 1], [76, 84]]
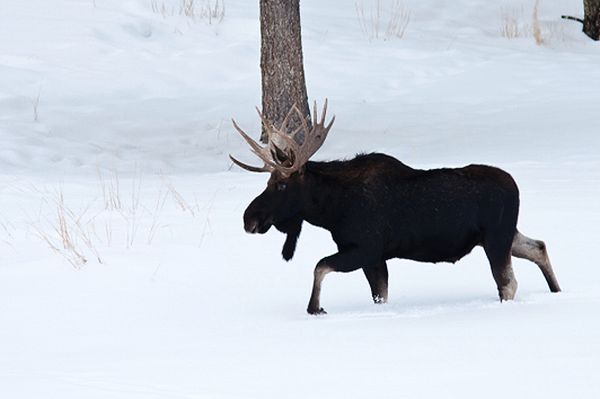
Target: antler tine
[[285, 120], [313, 138], [287, 137], [303, 125], [330, 124], [242, 165], [264, 153], [261, 152], [253, 144], [281, 132], [272, 149], [324, 113], [302, 151], [294, 149], [298, 112], [270, 126], [267, 123]]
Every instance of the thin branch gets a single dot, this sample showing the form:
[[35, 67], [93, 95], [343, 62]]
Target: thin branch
[[572, 18]]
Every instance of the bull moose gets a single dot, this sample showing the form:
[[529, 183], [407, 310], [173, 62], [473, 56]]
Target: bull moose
[[377, 208]]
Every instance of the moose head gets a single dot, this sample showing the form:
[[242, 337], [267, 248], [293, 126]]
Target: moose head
[[284, 156]]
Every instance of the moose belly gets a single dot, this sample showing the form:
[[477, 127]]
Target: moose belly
[[436, 248]]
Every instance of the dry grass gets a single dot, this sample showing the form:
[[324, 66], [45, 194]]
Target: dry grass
[[68, 232], [160, 204], [111, 191], [537, 31], [511, 22], [162, 9], [113, 215], [209, 11], [207, 228], [383, 19], [8, 230], [515, 24], [554, 31], [179, 199], [130, 213]]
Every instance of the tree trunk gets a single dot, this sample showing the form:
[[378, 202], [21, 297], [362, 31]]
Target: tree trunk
[[591, 21], [282, 70]]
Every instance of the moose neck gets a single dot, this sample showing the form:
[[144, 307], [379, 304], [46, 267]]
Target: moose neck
[[320, 198]]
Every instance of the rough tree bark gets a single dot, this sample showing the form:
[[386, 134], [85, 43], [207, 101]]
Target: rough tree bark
[[591, 19], [281, 64]]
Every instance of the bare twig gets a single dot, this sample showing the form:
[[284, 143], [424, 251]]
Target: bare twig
[[572, 18]]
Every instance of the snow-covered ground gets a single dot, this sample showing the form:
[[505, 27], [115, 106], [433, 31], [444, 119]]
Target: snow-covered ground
[[115, 128]]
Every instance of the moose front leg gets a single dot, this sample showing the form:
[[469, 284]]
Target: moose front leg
[[314, 304], [344, 261], [377, 276]]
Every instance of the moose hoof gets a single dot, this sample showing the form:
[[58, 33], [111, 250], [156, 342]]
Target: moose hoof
[[316, 311], [379, 300], [506, 296], [507, 293]]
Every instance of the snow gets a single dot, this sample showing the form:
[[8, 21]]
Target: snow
[[118, 118]]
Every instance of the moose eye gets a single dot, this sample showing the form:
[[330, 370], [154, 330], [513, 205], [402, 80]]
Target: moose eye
[[281, 186]]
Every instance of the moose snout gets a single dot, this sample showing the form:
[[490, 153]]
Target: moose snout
[[256, 225], [251, 226], [257, 217]]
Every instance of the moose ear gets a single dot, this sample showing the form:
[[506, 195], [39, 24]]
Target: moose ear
[[302, 170]]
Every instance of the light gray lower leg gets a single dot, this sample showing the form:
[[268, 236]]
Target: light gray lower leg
[[535, 251], [314, 305], [506, 282]]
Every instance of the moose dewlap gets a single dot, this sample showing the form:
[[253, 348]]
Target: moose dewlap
[[378, 208]]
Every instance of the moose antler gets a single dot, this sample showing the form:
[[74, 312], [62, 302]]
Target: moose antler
[[297, 150]]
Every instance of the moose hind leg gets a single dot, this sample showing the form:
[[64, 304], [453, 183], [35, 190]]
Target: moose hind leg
[[535, 251], [377, 276], [344, 261], [502, 270]]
